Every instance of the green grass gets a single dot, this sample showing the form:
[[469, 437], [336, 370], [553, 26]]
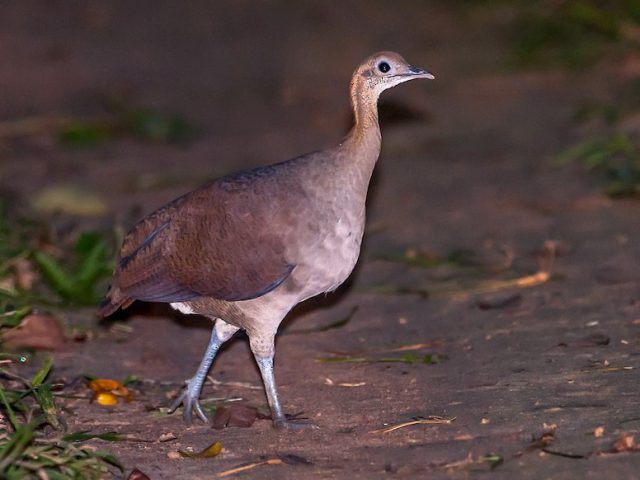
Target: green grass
[[72, 269], [616, 157], [145, 124], [80, 283], [30, 443]]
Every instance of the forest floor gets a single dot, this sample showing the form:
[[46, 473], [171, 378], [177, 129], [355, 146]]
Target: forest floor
[[497, 292]]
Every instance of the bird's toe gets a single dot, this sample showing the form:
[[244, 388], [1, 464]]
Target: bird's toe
[[188, 399]]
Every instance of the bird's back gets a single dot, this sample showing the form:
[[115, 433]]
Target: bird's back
[[235, 238]]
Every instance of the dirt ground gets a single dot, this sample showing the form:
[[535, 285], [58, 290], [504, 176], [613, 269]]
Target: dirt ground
[[467, 163]]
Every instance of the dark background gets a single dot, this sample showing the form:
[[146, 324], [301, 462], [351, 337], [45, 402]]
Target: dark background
[[526, 138]]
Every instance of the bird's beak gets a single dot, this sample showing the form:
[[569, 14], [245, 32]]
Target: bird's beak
[[416, 72]]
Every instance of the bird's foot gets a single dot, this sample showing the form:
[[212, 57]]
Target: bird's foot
[[189, 397], [294, 423]]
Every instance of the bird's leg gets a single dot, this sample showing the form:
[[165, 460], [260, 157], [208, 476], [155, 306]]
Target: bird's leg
[[264, 359], [221, 332]]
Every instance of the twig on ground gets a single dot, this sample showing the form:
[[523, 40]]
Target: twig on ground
[[430, 420], [251, 466]]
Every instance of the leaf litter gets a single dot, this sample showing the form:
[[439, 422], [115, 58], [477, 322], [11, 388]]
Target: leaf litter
[[108, 392], [456, 289], [211, 451]]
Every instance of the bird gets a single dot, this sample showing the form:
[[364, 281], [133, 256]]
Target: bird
[[246, 248]]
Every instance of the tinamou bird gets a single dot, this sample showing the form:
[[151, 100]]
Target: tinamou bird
[[244, 249]]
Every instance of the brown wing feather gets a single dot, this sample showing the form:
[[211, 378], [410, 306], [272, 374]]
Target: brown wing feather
[[220, 241]]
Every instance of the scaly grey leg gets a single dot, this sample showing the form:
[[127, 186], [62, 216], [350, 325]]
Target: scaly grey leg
[[268, 379], [190, 395], [265, 364]]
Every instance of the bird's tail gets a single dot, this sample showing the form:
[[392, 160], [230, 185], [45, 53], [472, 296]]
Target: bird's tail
[[113, 301]]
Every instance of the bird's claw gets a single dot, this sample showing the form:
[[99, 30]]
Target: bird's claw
[[189, 397]]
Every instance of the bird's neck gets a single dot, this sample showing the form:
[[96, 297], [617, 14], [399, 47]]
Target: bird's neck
[[362, 144]]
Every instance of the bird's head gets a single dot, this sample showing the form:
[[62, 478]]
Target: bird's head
[[385, 70]]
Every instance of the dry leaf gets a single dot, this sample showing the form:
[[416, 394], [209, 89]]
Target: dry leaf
[[625, 443], [166, 437], [107, 391], [499, 300], [598, 432], [105, 398], [137, 475], [237, 415], [36, 331], [544, 440], [212, 450], [293, 459]]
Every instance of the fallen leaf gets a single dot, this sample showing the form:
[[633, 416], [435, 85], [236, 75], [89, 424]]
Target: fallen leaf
[[595, 339], [499, 301], [236, 415], [211, 451], [38, 331], [493, 459], [107, 391], [293, 459], [166, 437], [137, 475], [543, 440], [625, 443], [105, 398], [598, 432]]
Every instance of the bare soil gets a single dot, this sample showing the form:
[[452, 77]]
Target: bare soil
[[467, 163]]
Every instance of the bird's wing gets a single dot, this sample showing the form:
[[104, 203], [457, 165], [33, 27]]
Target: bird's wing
[[224, 241]]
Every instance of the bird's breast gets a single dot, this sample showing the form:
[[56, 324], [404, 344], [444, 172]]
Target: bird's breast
[[328, 256]]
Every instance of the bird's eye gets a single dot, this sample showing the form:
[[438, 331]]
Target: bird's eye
[[384, 67]]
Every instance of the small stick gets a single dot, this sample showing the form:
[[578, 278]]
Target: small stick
[[233, 471], [250, 386], [432, 420]]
